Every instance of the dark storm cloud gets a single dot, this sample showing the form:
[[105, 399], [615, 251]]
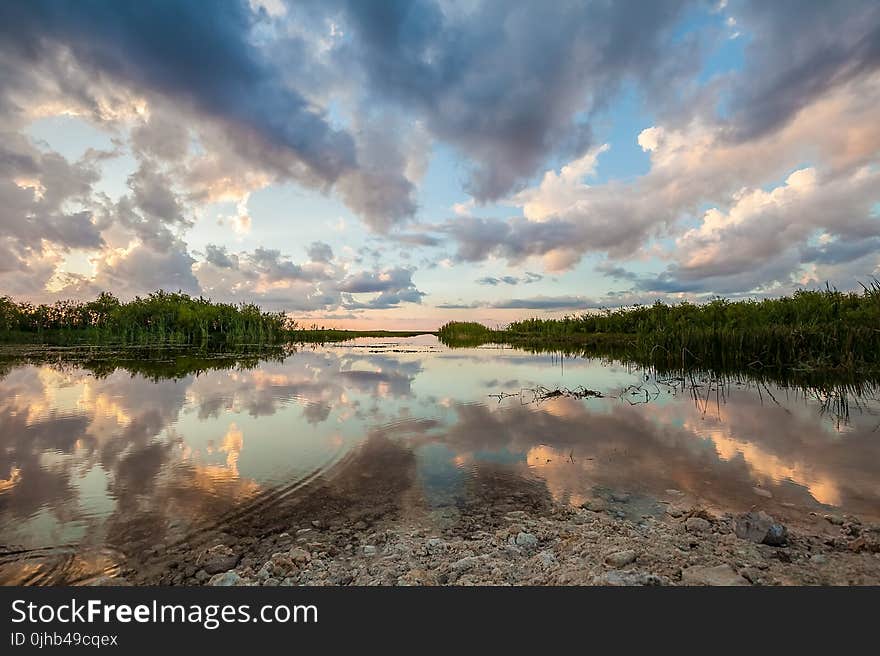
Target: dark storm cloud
[[505, 81]]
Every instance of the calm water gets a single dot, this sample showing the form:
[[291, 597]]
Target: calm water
[[94, 462]]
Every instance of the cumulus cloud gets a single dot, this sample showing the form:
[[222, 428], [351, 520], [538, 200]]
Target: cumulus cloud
[[391, 286], [506, 82]]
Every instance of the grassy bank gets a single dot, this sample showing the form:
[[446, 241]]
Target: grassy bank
[[162, 318], [809, 330]]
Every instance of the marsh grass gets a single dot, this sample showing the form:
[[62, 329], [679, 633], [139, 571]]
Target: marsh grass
[[160, 318], [810, 330]]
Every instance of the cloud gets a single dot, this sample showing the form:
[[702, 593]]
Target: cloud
[[220, 257], [798, 52], [528, 278], [392, 286], [319, 251], [505, 83]]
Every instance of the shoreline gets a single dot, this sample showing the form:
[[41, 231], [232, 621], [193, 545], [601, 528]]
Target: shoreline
[[520, 537]]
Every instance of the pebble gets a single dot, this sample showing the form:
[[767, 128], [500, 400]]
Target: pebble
[[225, 579], [760, 528], [697, 525], [526, 540], [370, 550], [219, 558], [620, 559], [717, 575]]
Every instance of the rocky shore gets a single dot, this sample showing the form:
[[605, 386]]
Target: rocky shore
[[540, 544]]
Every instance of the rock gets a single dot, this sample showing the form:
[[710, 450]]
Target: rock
[[761, 492], [436, 546], [717, 575], [466, 563], [547, 559], [299, 555], [201, 576], [219, 558], [111, 581], [674, 511], [596, 505], [697, 525], [621, 497], [628, 577], [620, 559], [818, 559], [760, 528], [777, 536], [369, 550], [837, 520], [225, 579], [526, 540]]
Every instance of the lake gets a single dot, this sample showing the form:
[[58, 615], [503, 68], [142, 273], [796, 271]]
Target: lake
[[99, 463]]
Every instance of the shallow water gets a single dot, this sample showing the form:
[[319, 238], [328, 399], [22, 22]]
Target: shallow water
[[97, 463]]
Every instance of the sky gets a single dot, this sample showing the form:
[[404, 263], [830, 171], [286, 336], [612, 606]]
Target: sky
[[401, 164]]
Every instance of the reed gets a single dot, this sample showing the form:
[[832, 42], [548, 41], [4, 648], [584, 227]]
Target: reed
[[160, 318], [809, 330]]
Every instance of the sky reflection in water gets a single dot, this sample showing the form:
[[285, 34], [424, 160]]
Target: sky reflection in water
[[82, 456]]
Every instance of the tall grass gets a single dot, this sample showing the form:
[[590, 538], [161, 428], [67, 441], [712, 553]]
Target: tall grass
[[160, 318], [810, 329]]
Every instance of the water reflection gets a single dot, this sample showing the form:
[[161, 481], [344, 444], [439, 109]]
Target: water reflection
[[100, 463]]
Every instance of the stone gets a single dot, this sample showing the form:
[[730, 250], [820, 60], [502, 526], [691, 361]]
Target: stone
[[526, 540], [760, 528], [370, 550], [219, 558], [628, 577], [466, 563], [716, 575], [674, 511], [777, 536], [225, 579], [761, 492], [111, 581], [547, 559], [620, 559], [299, 555], [837, 520], [201, 576], [697, 525], [596, 505], [436, 546]]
